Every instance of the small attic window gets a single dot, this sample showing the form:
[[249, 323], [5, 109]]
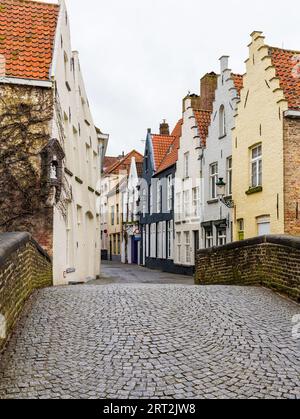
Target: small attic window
[[222, 122], [170, 150]]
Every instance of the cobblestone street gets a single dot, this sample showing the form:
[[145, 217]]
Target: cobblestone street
[[142, 340]]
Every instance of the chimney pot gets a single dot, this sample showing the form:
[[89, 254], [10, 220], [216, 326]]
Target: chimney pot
[[224, 62], [208, 88], [164, 128]]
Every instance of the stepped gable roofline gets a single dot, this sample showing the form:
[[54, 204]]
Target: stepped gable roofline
[[287, 67]]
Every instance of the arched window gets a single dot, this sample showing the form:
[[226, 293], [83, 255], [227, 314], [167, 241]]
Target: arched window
[[222, 122]]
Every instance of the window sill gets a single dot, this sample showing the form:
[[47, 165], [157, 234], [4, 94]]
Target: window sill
[[252, 191], [212, 201]]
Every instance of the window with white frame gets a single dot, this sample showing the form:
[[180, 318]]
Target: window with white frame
[[178, 240], [186, 203], [159, 240], [213, 179], [222, 122], [170, 193], [112, 215], [187, 245], [256, 166], [144, 202], [147, 240], [158, 196], [241, 229], [125, 206], [263, 225], [186, 164], [178, 206], [164, 250], [153, 241], [209, 238], [222, 239], [229, 176], [144, 246], [151, 199], [118, 214], [196, 201], [170, 239]]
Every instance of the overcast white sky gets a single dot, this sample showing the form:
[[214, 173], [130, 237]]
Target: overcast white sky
[[141, 57]]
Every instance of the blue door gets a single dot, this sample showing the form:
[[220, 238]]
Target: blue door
[[134, 250]]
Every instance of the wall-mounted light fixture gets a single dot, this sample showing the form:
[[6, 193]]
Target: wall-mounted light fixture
[[221, 192]]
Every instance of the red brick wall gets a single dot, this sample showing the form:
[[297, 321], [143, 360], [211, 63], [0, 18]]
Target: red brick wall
[[271, 261], [292, 176], [23, 268], [208, 88]]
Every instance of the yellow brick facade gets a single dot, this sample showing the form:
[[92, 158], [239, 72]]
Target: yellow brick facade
[[259, 119]]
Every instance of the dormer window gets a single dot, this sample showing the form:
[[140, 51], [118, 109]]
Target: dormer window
[[222, 122]]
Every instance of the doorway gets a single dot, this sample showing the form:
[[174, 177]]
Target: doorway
[[90, 244], [196, 243], [134, 251]]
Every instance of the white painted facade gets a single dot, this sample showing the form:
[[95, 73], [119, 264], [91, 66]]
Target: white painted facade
[[187, 180], [217, 161], [131, 232], [76, 246], [105, 188]]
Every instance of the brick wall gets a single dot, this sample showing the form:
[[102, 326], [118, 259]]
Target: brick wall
[[208, 85], [271, 261], [291, 155], [25, 130], [24, 267]]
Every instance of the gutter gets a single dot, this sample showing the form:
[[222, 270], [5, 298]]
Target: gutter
[[25, 82], [292, 114]]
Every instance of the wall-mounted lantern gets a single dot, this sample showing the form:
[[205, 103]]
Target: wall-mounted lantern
[[221, 192], [52, 170]]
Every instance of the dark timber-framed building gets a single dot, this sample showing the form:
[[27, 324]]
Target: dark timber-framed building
[[157, 198]]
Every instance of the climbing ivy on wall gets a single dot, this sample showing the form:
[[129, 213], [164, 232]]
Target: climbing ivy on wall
[[25, 126]]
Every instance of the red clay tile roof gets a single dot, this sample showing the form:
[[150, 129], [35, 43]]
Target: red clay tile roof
[[139, 168], [287, 65], [171, 156], [238, 82], [177, 131], [203, 120], [124, 164], [27, 34], [161, 144], [109, 161]]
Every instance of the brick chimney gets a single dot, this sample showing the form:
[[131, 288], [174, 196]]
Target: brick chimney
[[208, 88], [164, 128]]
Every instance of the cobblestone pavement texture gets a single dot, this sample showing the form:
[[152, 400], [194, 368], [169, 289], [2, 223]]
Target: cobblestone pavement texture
[[153, 341]]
